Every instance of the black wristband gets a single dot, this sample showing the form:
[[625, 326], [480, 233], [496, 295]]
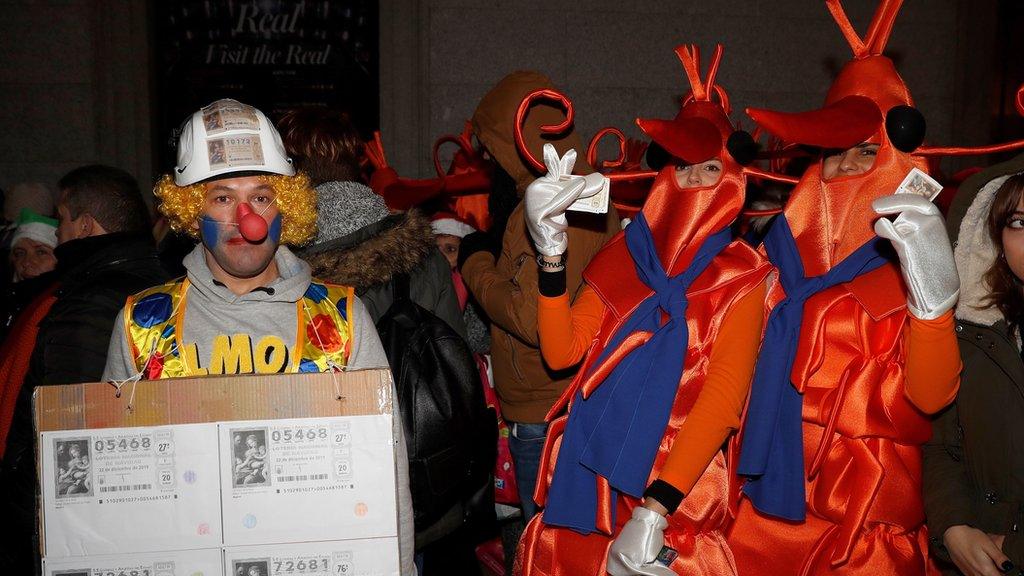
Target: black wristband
[[551, 284], [666, 495]]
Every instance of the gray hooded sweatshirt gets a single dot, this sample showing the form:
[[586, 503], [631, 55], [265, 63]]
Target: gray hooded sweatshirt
[[269, 312]]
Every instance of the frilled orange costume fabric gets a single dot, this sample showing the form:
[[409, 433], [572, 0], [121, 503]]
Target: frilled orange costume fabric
[[679, 220], [868, 371]]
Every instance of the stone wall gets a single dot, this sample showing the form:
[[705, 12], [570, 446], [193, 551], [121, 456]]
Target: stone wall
[[75, 79], [615, 59], [74, 88]]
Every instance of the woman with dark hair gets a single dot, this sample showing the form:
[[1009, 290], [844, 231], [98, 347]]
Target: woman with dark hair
[[973, 486]]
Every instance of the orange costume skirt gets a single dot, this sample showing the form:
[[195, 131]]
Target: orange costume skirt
[[695, 531], [862, 437]]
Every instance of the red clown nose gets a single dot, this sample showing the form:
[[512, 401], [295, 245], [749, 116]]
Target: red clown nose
[[252, 226]]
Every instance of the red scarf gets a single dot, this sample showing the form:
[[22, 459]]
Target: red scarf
[[15, 355]]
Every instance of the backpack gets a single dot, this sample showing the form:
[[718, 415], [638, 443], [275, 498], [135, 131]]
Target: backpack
[[451, 433]]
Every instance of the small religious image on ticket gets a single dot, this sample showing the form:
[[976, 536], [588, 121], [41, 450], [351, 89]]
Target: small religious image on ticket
[[72, 467], [249, 453], [251, 567]]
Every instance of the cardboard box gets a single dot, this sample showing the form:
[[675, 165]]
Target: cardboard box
[[95, 411], [371, 557], [181, 563]]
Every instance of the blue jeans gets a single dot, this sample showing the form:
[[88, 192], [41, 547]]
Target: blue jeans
[[526, 443]]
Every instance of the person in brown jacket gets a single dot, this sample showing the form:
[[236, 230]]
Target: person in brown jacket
[[506, 288], [973, 485]]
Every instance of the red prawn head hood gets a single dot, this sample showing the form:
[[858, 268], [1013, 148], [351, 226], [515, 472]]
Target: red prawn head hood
[[681, 218], [831, 218]]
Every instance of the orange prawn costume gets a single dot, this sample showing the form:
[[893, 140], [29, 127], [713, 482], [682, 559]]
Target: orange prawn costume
[[831, 447], [667, 328]]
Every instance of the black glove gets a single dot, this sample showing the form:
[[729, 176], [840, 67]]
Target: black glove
[[477, 242]]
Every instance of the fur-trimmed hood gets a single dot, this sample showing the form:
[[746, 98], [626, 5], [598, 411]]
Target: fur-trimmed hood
[[398, 244], [974, 250]]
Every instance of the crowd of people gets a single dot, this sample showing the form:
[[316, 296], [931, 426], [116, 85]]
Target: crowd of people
[[758, 364]]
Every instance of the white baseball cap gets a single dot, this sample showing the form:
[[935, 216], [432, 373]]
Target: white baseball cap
[[227, 137]]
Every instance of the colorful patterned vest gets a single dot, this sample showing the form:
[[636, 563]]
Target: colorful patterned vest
[[153, 323]]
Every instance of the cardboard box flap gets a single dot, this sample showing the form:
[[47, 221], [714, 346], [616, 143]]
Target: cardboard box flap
[[212, 399]]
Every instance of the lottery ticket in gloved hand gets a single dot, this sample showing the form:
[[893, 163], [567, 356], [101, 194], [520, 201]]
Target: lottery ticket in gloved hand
[[638, 545], [926, 257], [549, 196]]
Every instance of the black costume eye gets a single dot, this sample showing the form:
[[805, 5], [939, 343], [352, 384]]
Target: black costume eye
[[656, 157], [906, 127], [742, 147]]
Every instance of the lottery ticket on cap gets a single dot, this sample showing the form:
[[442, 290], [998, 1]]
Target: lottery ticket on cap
[[118, 490], [243, 150], [225, 115], [594, 203], [919, 183]]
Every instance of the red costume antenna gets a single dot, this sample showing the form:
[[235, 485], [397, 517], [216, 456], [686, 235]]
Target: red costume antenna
[[374, 150], [592, 148], [464, 141], [524, 107], [404, 193], [701, 91], [689, 56], [968, 151]]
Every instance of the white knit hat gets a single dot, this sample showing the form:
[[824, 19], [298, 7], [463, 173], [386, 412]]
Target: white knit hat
[[448, 223], [35, 227]]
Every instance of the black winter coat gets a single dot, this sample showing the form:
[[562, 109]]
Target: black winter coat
[[974, 463], [96, 276]]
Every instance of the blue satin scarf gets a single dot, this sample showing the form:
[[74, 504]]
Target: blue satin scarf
[[615, 433], [771, 455]]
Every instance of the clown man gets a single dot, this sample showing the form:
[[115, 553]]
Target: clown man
[[247, 305]]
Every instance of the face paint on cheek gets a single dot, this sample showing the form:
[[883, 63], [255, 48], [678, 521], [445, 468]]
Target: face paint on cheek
[[274, 232], [209, 231]]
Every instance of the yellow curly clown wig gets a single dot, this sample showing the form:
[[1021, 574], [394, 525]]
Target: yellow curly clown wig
[[296, 200]]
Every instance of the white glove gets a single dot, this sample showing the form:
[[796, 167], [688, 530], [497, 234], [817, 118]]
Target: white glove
[[639, 543], [548, 197], [926, 258]]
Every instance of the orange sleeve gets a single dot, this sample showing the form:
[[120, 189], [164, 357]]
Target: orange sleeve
[[933, 363], [566, 334], [716, 414]]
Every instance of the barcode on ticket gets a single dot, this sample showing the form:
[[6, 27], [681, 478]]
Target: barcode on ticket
[[302, 477], [126, 488]]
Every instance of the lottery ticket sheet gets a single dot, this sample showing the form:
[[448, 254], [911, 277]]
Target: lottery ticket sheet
[[372, 557], [308, 479], [182, 563], [116, 490]]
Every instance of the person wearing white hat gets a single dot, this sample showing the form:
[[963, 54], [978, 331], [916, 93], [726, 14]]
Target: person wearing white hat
[[32, 245], [31, 260], [236, 191], [449, 230]]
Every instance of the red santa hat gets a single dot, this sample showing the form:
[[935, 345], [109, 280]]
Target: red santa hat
[[448, 223]]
